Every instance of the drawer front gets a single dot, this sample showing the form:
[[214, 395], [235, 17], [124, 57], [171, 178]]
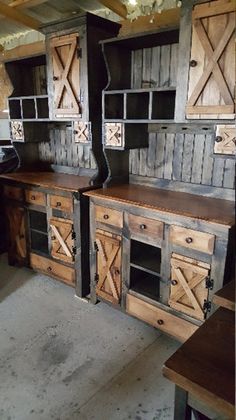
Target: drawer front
[[166, 322], [35, 197], [52, 268], [145, 226], [61, 203], [14, 193], [109, 216], [200, 241]]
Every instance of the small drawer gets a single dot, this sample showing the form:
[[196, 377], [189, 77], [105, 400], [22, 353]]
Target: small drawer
[[35, 197], [14, 193], [166, 322], [200, 241], [61, 203], [145, 226], [52, 268], [109, 216]]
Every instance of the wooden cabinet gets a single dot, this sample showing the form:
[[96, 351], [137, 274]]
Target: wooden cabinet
[[212, 63], [108, 275], [62, 239], [154, 259], [17, 250]]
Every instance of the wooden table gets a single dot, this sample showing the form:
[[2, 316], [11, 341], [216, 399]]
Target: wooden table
[[225, 297], [203, 369]]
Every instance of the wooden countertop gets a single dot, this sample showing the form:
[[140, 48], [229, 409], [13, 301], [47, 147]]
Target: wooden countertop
[[204, 208], [204, 365], [225, 297], [55, 180]]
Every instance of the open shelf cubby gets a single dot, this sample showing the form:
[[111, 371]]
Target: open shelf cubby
[[144, 283], [38, 221], [145, 257]]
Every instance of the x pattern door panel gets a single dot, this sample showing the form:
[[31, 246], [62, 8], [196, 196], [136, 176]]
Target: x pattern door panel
[[188, 290], [108, 266], [66, 81], [17, 241], [62, 241], [212, 64]]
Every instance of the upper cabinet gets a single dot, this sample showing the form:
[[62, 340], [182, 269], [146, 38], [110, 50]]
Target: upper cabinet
[[212, 62], [76, 70]]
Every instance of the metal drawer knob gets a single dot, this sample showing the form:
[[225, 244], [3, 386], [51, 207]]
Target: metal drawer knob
[[160, 321], [193, 63], [53, 238], [58, 204], [105, 216], [55, 78], [75, 132], [189, 240], [33, 197], [174, 282], [143, 227], [218, 139], [49, 269], [116, 271]]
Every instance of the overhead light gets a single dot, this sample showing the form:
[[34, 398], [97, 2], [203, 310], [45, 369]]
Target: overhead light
[[136, 8]]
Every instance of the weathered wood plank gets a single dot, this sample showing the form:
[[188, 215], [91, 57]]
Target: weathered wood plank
[[178, 157], [197, 163], [155, 69], [137, 69], [169, 150], [151, 155], [218, 172], [174, 64], [143, 162], [207, 161], [165, 66], [187, 157], [147, 65], [160, 155], [229, 174]]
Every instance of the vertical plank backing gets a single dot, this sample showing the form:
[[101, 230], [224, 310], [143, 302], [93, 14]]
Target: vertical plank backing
[[197, 162], [218, 172], [147, 65], [174, 50], [207, 167], [137, 69], [229, 174], [151, 155], [178, 157], [143, 162], [160, 155], [155, 69], [187, 157], [165, 66], [169, 151]]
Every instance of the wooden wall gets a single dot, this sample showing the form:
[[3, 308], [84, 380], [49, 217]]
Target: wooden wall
[[61, 149]]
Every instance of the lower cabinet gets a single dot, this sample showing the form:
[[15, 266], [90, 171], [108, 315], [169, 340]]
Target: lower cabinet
[[52, 268], [17, 251], [62, 239], [108, 274]]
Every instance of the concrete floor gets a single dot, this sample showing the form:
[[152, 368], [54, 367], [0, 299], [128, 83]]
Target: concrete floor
[[64, 359]]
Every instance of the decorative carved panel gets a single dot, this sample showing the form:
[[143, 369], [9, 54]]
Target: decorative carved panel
[[225, 140], [114, 134], [17, 131], [82, 132]]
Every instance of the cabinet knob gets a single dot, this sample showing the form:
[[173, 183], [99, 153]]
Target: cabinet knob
[[33, 197], [53, 238], [105, 216], [58, 204], [55, 78], [75, 132], [116, 271], [193, 63], [218, 139], [49, 269], [143, 227], [160, 321], [189, 240], [174, 282]]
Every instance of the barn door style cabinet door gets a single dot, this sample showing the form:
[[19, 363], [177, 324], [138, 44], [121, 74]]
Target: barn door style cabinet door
[[17, 251], [212, 62]]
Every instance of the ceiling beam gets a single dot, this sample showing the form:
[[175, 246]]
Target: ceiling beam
[[23, 51], [15, 15], [115, 6], [24, 4]]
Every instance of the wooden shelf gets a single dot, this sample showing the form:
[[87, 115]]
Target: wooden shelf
[[29, 108]]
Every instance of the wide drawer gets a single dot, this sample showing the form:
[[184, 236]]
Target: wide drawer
[[109, 216], [35, 197], [61, 203], [53, 268], [166, 322], [200, 241], [14, 193], [145, 226]]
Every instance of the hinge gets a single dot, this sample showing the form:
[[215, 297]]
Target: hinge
[[73, 235], [206, 307], [95, 246], [96, 277], [79, 52], [74, 250], [209, 283]]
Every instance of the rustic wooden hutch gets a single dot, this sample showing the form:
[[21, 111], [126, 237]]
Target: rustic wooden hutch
[[162, 228], [55, 119]]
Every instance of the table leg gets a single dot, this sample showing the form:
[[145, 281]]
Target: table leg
[[182, 409]]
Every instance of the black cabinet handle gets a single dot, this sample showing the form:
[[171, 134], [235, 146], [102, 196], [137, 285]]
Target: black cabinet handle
[[49, 269], [58, 204], [189, 240], [174, 282], [160, 321], [33, 197], [193, 63], [218, 139], [143, 227], [105, 216], [55, 78]]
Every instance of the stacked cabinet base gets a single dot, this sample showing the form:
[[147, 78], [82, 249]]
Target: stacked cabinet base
[[155, 260]]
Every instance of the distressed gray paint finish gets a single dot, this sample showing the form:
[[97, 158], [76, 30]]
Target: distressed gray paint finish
[[184, 158]]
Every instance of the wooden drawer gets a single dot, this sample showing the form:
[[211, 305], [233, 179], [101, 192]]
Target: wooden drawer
[[109, 216], [61, 203], [52, 268], [35, 197], [145, 226], [166, 322], [14, 193], [200, 241]]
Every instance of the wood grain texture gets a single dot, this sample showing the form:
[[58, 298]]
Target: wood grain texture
[[52, 180], [203, 208], [53, 268], [35, 197], [207, 356], [192, 239], [108, 216], [145, 227]]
